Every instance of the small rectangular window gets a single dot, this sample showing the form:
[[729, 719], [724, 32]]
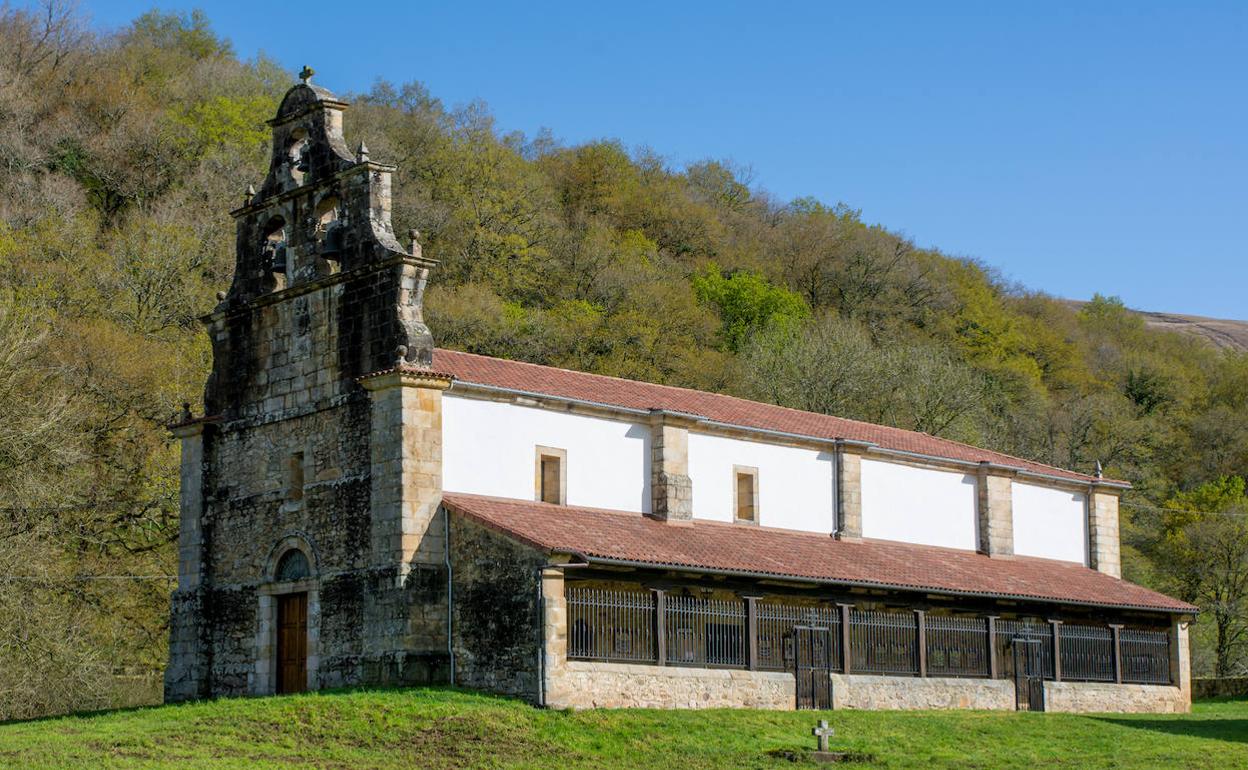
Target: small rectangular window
[[552, 482], [294, 487], [745, 495]]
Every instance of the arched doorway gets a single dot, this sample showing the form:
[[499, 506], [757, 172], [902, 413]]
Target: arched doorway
[[292, 624]]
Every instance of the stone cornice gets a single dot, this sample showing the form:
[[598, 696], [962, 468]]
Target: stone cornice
[[406, 376], [192, 427], [301, 190], [316, 284]]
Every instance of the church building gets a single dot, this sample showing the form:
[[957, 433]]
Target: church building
[[362, 508]]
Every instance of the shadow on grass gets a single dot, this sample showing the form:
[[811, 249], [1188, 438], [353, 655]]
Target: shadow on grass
[[1234, 730], [226, 699]]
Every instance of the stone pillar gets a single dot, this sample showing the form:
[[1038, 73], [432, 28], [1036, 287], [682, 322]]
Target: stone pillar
[[848, 491], [1181, 662], [671, 491], [406, 467], [187, 675], [995, 510], [554, 637], [1103, 546], [191, 505]]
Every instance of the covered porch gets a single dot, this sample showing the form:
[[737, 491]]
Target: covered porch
[[643, 613]]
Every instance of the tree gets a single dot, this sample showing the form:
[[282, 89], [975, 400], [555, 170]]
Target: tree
[[747, 302], [1202, 549], [833, 366]]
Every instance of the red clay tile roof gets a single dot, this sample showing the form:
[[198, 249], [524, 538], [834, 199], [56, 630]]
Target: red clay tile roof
[[631, 537], [564, 383]]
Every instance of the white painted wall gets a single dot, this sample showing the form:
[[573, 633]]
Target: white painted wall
[[917, 505], [795, 485], [1050, 523], [488, 448]]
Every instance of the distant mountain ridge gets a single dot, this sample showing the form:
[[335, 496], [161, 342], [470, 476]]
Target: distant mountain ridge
[[1219, 332]]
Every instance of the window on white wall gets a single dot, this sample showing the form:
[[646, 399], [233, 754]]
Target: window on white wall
[[551, 475], [745, 494]]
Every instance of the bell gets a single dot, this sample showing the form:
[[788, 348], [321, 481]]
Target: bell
[[331, 247]]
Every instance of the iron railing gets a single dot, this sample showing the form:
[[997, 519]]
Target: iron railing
[[956, 646], [1028, 630], [1087, 653], [705, 632], [611, 625], [1145, 656], [883, 642], [658, 627], [775, 632]]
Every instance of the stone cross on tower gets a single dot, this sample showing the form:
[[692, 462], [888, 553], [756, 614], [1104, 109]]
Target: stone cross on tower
[[823, 732]]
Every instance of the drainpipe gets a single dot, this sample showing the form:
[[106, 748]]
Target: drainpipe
[[837, 507], [450, 594], [541, 625]]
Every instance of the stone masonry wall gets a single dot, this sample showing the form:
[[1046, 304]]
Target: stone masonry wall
[[1117, 698], [581, 684], [495, 623], [858, 691]]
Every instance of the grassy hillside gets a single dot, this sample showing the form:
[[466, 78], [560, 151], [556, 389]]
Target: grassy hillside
[[449, 729]]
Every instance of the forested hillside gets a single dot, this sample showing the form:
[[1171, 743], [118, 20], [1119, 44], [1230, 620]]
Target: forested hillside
[[122, 155]]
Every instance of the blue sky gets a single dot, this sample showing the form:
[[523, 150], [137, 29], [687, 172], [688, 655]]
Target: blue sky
[[1077, 147]]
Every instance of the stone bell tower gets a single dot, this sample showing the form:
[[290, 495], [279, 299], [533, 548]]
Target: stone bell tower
[[309, 554]]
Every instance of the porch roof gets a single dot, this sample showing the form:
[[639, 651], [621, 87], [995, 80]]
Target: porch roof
[[618, 537]]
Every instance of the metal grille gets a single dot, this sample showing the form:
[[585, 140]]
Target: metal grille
[[1145, 656], [956, 646], [884, 642], [705, 632], [1030, 630], [1087, 653], [621, 625], [775, 632], [611, 625]]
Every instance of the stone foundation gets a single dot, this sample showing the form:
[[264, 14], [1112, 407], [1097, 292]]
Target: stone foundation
[[1116, 698], [908, 692], [580, 685]]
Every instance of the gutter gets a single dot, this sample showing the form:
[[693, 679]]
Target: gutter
[[866, 584]]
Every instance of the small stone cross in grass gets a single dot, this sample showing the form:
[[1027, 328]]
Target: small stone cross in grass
[[823, 732]]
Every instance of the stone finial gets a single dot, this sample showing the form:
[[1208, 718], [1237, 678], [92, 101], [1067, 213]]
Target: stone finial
[[414, 234], [220, 296], [1100, 472], [186, 415], [400, 355], [250, 195], [306, 74], [361, 153]]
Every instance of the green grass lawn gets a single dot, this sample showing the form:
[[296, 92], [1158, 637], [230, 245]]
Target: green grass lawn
[[449, 729]]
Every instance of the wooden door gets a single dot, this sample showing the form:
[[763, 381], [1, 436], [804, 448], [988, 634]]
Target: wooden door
[[1028, 675], [812, 667], [292, 643]]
